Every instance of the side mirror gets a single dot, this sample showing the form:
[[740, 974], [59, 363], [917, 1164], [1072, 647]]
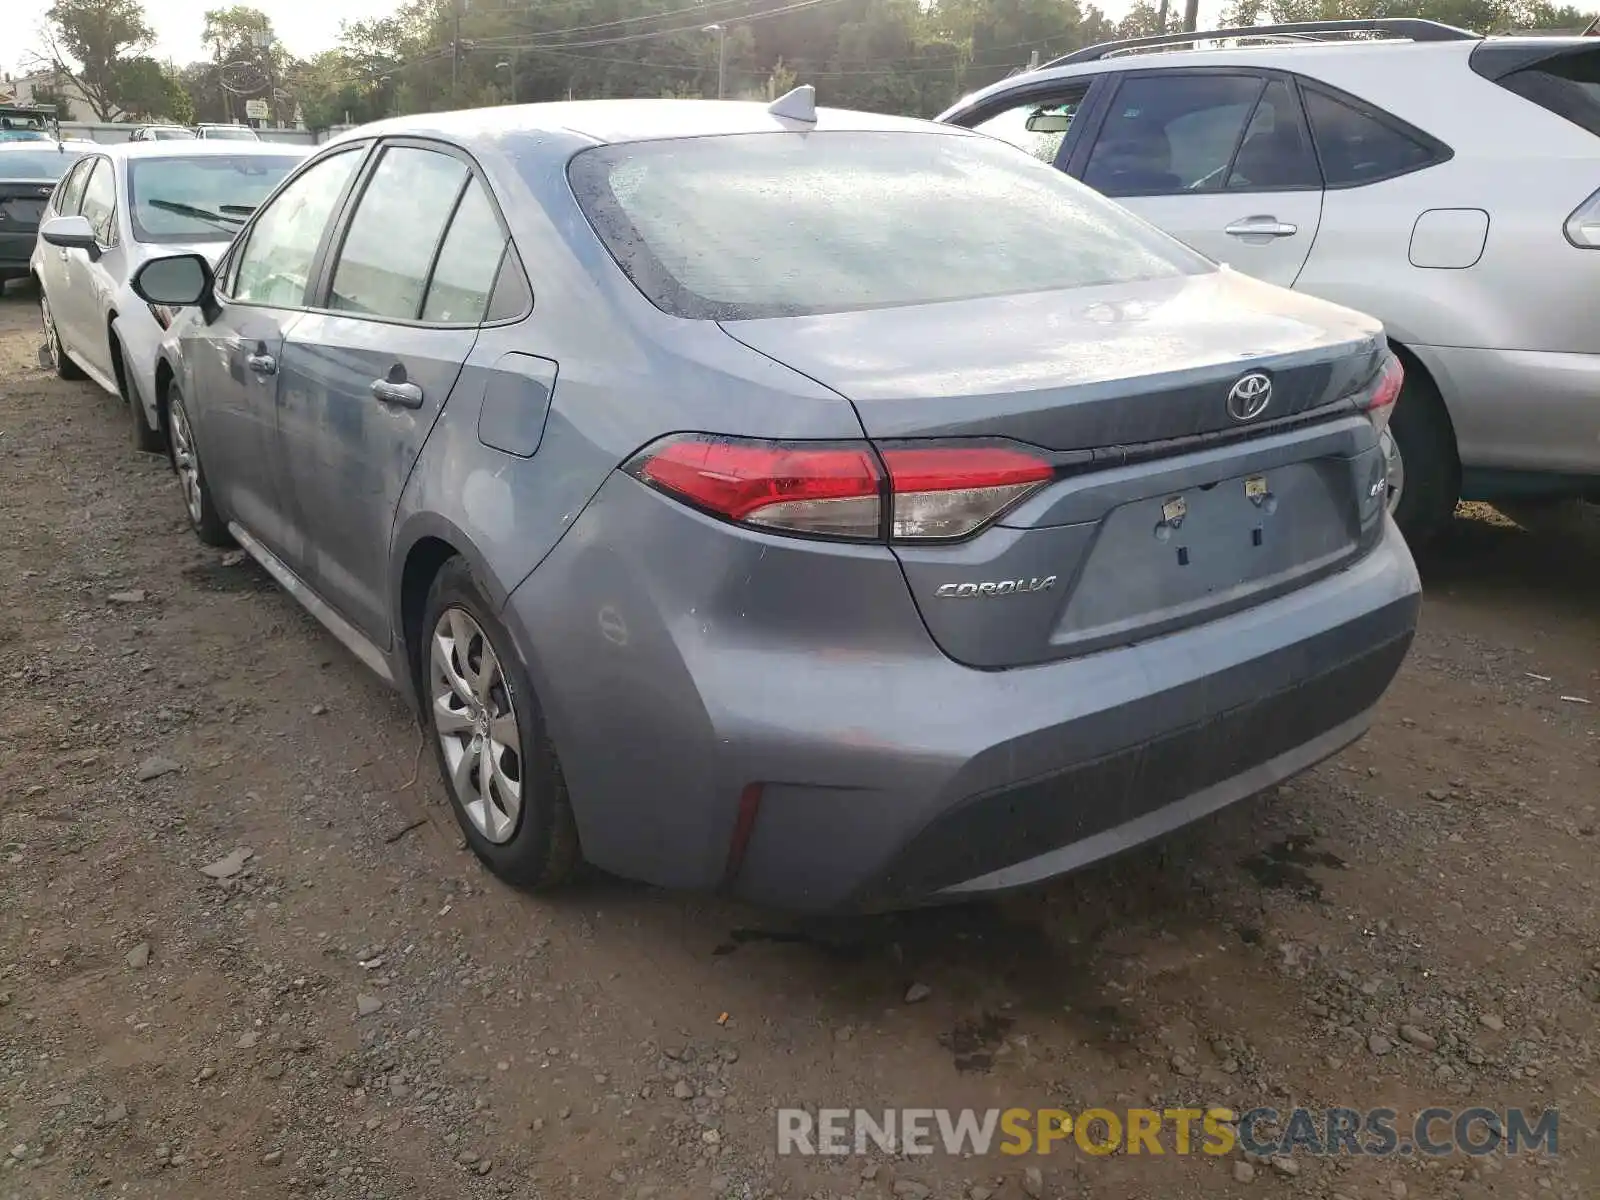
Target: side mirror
[[176, 281], [71, 233]]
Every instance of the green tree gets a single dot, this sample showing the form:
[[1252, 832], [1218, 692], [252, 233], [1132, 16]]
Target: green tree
[[147, 90], [88, 41], [1481, 16], [250, 61]]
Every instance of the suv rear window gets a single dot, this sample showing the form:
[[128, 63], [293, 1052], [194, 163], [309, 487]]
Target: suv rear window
[[781, 224], [1567, 85]]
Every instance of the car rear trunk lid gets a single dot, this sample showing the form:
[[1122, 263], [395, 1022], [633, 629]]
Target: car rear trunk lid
[[1167, 508]]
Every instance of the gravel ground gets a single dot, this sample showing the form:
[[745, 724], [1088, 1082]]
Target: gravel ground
[[243, 952]]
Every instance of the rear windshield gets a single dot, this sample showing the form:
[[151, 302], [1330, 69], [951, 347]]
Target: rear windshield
[[36, 164], [784, 224], [200, 199], [1568, 85]]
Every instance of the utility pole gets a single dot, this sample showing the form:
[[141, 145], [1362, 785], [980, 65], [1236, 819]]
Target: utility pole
[[1161, 20], [1191, 15], [455, 49], [722, 57]]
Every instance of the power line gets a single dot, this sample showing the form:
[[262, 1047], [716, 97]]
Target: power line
[[907, 66], [505, 43], [701, 10]]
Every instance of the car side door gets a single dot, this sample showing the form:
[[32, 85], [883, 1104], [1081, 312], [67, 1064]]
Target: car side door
[[367, 372], [233, 356], [53, 260], [78, 311], [1219, 158]]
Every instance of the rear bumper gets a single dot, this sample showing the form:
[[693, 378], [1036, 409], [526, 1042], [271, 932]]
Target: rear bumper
[[16, 249], [1525, 410], [890, 775]]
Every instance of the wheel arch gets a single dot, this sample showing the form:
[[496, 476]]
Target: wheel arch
[[421, 548]]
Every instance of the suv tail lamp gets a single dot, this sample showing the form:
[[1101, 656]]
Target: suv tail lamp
[[1380, 401], [844, 490]]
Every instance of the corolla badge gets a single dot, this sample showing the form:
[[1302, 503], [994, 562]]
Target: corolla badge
[[1249, 397], [1000, 587]]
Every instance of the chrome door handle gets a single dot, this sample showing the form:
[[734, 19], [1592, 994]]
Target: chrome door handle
[[262, 364], [405, 395], [1261, 227]]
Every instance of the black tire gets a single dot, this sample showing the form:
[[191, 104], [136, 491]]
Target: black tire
[[204, 519], [541, 851], [60, 360], [146, 439], [1426, 440]]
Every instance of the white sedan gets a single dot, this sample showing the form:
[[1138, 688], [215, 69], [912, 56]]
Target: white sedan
[[113, 210]]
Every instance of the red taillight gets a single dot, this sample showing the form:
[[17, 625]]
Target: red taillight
[[829, 490], [1380, 401], [832, 490]]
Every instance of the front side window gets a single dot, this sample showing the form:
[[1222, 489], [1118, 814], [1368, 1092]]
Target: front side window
[[70, 194], [383, 266], [774, 225], [1357, 147], [275, 265], [1039, 126], [1171, 133], [201, 199], [100, 202]]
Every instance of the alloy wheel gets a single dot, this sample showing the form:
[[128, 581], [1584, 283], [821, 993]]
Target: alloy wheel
[[476, 725], [1394, 468], [51, 340], [184, 459]]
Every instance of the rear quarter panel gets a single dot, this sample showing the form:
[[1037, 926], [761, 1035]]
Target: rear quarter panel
[[626, 375]]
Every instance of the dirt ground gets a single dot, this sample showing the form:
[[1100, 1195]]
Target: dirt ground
[[360, 1010]]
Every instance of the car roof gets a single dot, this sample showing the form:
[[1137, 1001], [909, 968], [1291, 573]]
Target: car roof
[[199, 148], [617, 121]]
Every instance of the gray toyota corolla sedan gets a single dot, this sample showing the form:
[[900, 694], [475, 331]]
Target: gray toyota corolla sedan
[[840, 510]]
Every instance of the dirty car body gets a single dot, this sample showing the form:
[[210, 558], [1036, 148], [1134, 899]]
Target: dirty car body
[[871, 515]]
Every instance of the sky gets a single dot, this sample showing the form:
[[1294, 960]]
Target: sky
[[305, 26]]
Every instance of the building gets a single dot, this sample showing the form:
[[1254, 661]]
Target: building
[[25, 89]]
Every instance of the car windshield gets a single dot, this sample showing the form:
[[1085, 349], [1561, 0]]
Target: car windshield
[[231, 134], [770, 225], [36, 164], [23, 135], [200, 199], [172, 135]]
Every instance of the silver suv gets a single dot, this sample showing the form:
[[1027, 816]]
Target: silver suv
[[1442, 181]]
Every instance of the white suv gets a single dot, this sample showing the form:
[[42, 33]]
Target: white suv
[[1442, 181]]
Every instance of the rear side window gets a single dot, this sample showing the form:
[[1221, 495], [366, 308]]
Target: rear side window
[[1171, 133], [1568, 86], [1276, 152], [394, 235], [1358, 147], [775, 225], [468, 262]]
